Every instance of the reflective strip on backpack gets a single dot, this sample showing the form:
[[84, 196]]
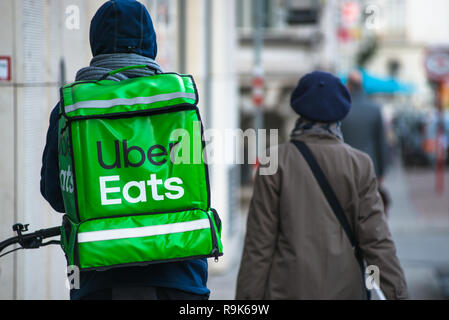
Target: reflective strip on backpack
[[98, 104], [92, 236]]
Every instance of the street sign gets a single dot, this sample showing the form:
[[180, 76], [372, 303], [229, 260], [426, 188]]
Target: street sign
[[437, 64], [258, 91], [5, 68], [350, 13]]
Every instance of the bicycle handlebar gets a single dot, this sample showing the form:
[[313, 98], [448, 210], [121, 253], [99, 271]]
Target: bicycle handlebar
[[48, 233], [30, 240]]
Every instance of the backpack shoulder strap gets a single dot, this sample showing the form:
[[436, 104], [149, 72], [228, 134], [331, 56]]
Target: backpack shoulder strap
[[327, 189], [333, 202]]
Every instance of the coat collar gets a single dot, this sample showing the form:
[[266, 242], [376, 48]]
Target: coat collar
[[318, 138], [316, 130]]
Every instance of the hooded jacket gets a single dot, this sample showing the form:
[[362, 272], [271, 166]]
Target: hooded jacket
[[123, 26], [118, 27]]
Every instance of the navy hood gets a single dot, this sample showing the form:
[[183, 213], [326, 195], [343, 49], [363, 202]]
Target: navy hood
[[123, 26]]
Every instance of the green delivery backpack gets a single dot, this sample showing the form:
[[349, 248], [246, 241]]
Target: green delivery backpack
[[132, 173]]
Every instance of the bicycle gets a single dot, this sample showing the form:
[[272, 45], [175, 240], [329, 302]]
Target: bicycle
[[30, 240]]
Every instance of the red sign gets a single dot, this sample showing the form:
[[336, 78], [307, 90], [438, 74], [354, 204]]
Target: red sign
[[350, 13], [258, 91], [5, 68]]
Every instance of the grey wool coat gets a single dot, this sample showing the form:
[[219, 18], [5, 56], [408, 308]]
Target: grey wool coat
[[295, 248]]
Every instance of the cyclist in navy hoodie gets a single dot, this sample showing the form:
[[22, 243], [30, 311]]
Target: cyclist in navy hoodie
[[122, 34]]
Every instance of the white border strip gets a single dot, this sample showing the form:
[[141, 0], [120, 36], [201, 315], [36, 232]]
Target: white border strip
[[96, 104], [114, 234]]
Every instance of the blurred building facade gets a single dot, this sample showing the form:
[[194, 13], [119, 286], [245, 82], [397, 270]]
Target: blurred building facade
[[389, 38], [386, 37], [405, 31], [47, 41], [298, 37]]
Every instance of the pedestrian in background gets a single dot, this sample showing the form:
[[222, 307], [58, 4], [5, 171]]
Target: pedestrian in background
[[363, 129], [296, 245]]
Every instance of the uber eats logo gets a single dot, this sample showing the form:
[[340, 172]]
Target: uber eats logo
[[136, 191]]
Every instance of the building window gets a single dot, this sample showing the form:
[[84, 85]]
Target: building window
[[278, 14], [394, 12]]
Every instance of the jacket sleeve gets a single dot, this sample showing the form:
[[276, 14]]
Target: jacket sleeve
[[375, 238], [260, 240], [50, 186]]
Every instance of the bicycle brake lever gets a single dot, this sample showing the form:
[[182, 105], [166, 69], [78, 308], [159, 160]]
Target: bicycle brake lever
[[18, 227], [32, 243]]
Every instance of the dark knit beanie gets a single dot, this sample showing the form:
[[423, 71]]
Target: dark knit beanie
[[320, 96]]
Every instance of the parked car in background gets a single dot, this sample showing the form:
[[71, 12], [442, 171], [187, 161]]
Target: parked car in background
[[416, 132]]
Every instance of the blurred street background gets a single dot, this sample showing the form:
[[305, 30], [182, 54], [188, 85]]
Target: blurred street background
[[246, 57]]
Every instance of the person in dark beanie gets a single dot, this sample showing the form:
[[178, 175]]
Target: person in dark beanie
[[121, 35], [311, 224]]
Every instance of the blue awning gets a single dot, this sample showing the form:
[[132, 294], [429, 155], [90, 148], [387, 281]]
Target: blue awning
[[383, 85]]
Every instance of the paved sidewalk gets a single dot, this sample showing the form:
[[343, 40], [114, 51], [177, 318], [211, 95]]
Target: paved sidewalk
[[419, 222], [222, 286]]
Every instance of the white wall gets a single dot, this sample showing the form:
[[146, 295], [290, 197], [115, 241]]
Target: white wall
[[35, 35], [222, 106], [7, 150], [224, 116]]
